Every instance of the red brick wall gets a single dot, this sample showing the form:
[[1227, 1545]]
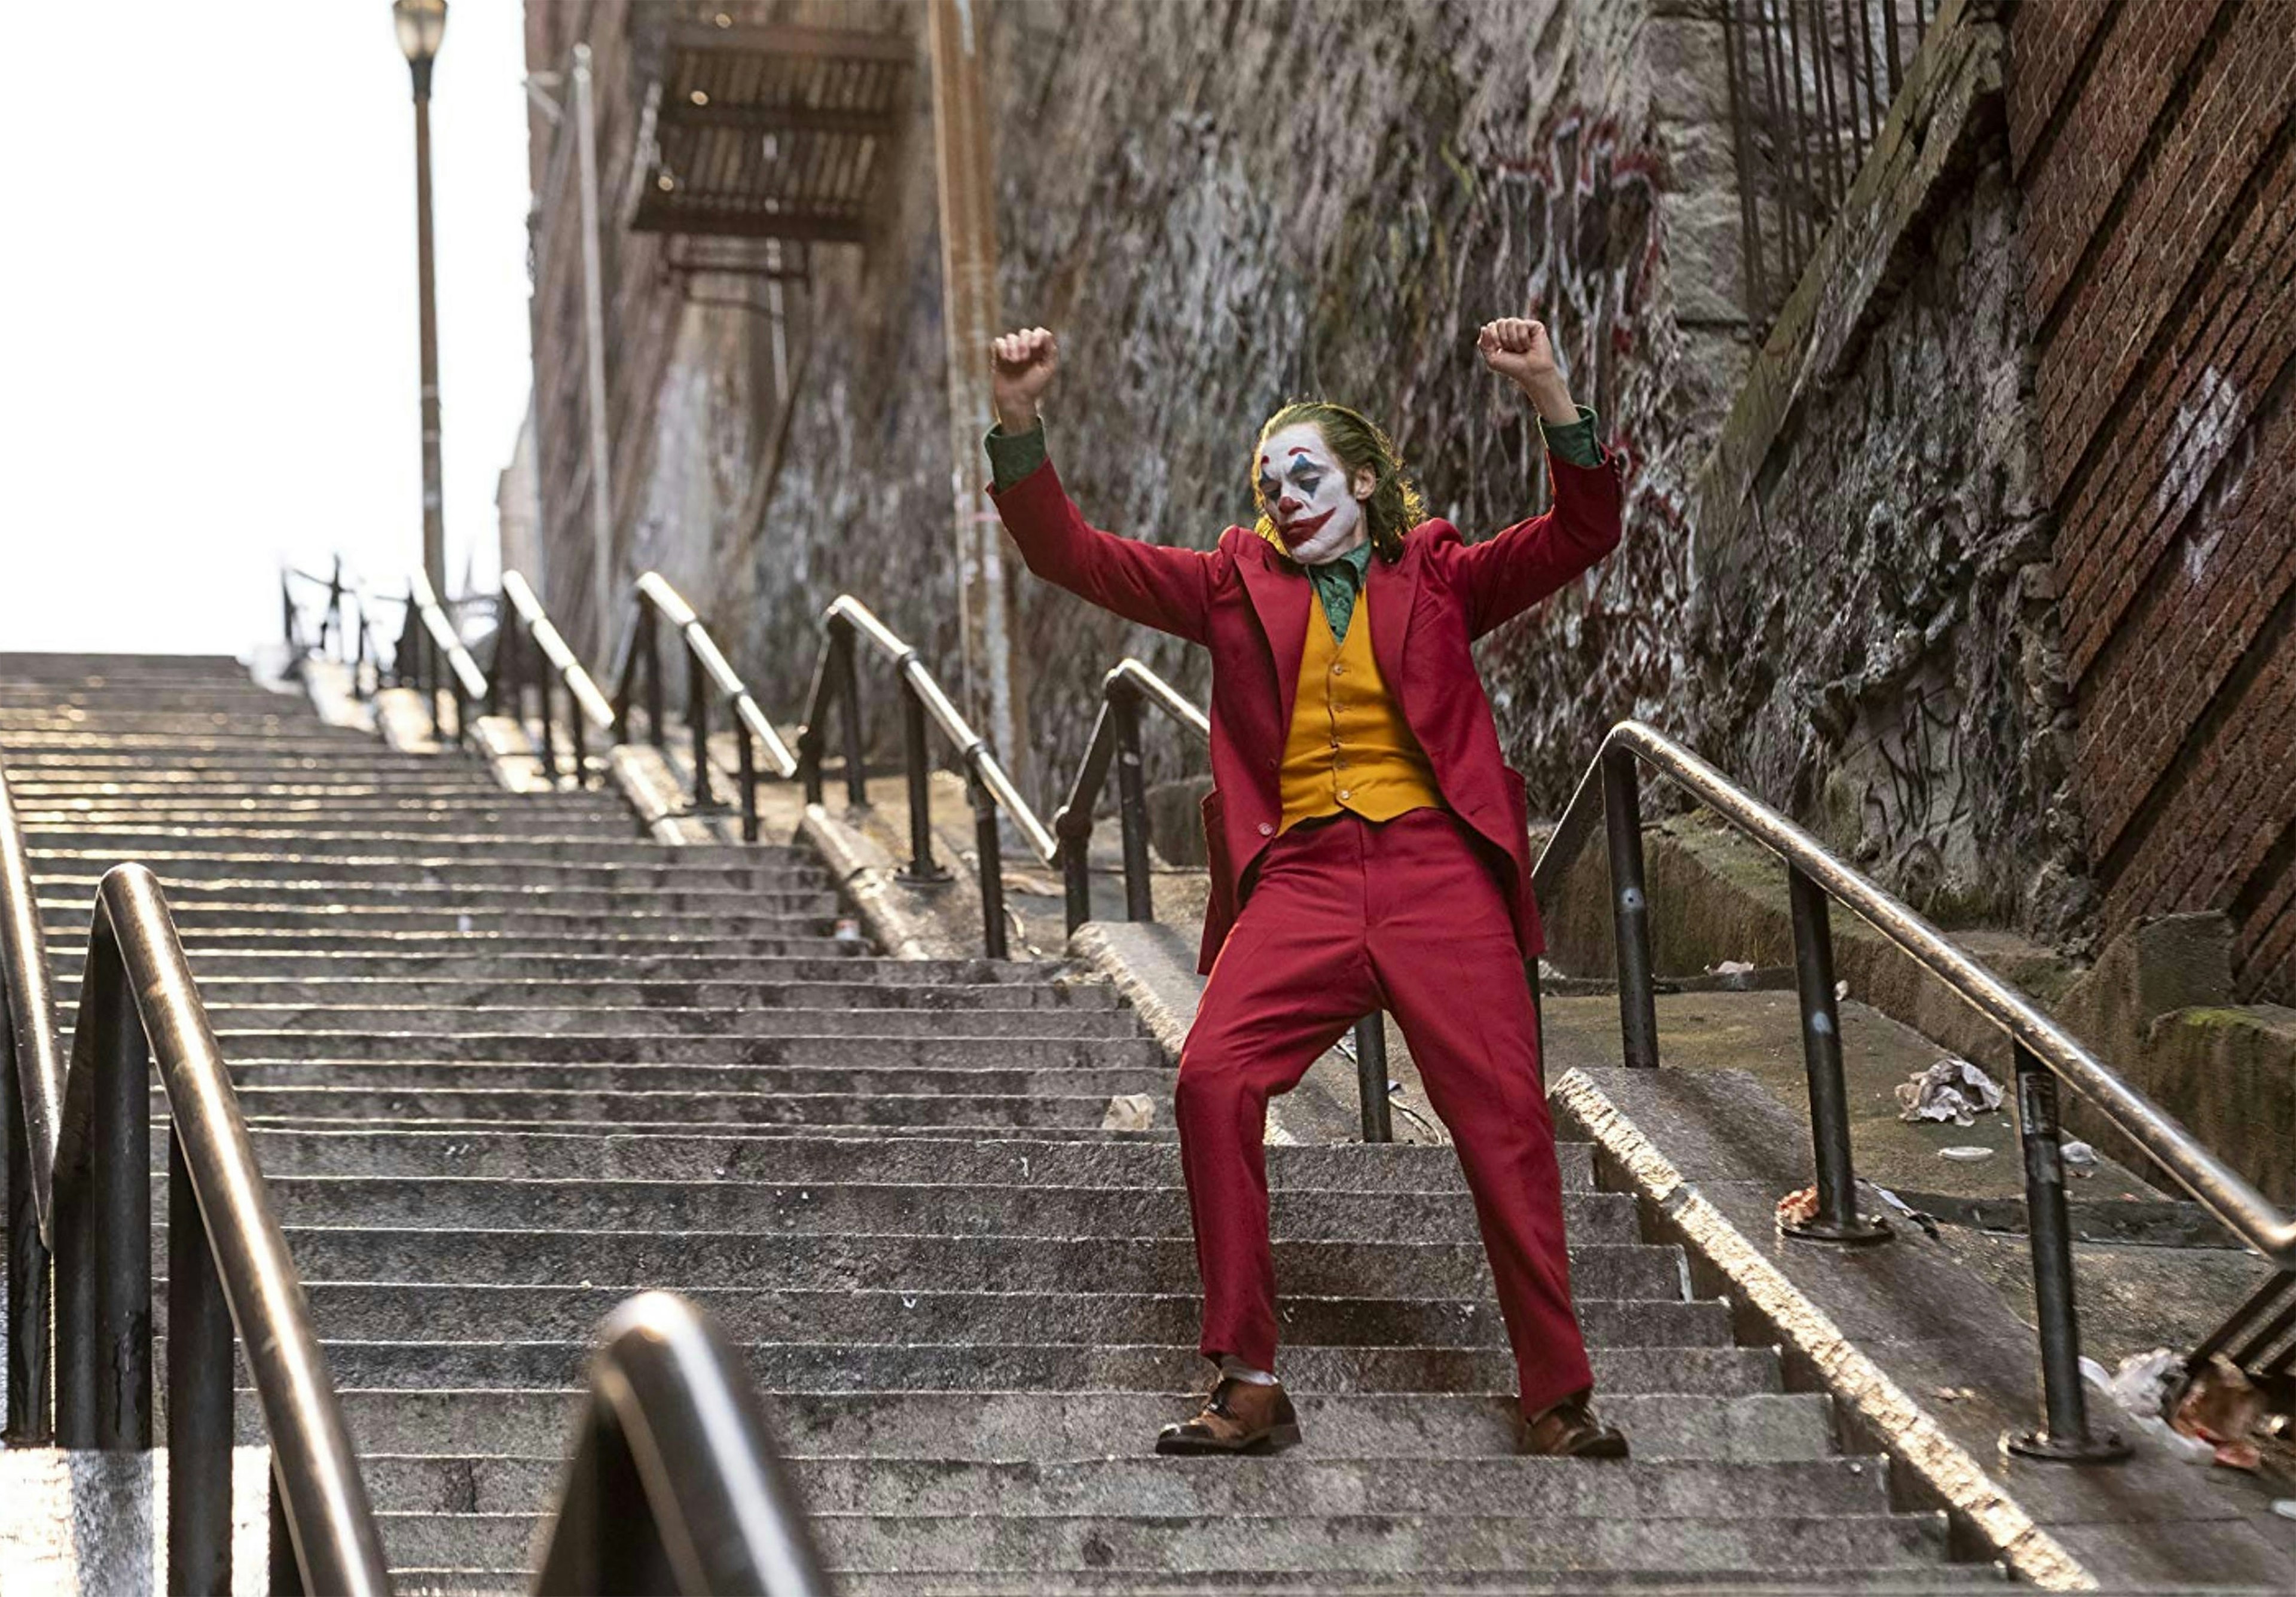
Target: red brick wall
[[2154, 142]]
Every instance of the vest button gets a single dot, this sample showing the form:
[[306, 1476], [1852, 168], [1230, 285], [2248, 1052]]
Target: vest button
[[1265, 830], [1338, 670], [1344, 793]]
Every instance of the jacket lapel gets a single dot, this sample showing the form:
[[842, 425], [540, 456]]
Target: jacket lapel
[[1280, 595], [1390, 590]]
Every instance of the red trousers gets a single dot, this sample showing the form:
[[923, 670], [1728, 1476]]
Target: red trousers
[[1347, 915]]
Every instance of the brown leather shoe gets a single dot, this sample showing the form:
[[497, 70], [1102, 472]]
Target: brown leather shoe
[[1570, 1429], [1241, 1416]]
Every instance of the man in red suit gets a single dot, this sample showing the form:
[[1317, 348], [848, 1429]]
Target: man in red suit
[[1369, 847]]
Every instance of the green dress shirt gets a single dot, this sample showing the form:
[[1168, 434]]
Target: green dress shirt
[[1337, 581]]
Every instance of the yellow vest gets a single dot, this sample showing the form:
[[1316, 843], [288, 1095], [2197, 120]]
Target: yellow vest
[[1348, 746]]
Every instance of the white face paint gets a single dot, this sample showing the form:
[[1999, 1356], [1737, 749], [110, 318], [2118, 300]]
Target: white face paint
[[1306, 494]]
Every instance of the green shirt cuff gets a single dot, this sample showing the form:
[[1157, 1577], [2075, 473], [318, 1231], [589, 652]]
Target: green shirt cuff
[[1574, 442], [1013, 455]]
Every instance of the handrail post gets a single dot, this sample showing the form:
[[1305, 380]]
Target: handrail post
[[2065, 1436], [746, 770], [579, 734], [1837, 1219], [916, 762], [849, 714], [651, 645], [1629, 908], [286, 1568], [200, 1420], [991, 850], [103, 1223], [1371, 1077], [1132, 806], [1076, 876], [697, 725], [542, 680], [502, 678], [31, 1420]]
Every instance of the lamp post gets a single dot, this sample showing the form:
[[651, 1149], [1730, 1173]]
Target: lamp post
[[421, 24]]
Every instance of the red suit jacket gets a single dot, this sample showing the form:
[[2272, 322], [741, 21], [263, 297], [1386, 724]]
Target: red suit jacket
[[1246, 602]]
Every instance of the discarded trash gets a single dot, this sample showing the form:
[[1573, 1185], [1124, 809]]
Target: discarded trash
[[2079, 1155], [849, 939], [1956, 1394], [1952, 1089], [1967, 1152], [1730, 967], [1797, 1208], [1128, 1111], [1840, 991], [2222, 1407], [2285, 1507], [2140, 1386]]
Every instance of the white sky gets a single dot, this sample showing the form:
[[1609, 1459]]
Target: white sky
[[207, 351]]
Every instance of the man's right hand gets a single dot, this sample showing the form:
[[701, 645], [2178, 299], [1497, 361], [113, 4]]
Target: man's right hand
[[1022, 366]]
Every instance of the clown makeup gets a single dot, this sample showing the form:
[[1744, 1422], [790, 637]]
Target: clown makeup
[[1305, 491]]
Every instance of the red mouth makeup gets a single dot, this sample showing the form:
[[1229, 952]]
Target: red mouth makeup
[[1300, 532]]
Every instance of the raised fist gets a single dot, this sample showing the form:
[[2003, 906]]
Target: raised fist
[[1022, 366], [1517, 348]]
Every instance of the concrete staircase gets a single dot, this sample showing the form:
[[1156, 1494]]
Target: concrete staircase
[[507, 1064]]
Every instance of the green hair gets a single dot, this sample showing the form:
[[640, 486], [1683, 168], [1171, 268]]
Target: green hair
[[1394, 507]]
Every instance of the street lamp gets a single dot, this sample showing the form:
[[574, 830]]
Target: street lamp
[[421, 24]]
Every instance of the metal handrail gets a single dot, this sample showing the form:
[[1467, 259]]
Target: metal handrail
[[705, 669], [525, 625], [837, 683], [2043, 1052], [31, 1108], [435, 641], [228, 1268], [1116, 741], [673, 1483]]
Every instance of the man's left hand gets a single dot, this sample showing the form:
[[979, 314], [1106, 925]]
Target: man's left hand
[[1517, 348]]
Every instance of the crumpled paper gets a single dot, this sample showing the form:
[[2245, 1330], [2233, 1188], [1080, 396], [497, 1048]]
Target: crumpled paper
[[1129, 1111], [1952, 1089]]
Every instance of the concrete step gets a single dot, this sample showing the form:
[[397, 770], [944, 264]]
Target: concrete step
[[475, 942], [1036, 1112], [766, 870], [548, 814], [1023, 1425], [854, 1045], [130, 841], [985, 1081], [1898, 1581], [633, 1261], [875, 1020], [1069, 1370], [1678, 1489], [698, 1155], [503, 866], [456, 962], [1284, 1542], [240, 994], [822, 1210], [405, 1312], [64, 915], [340, 896]]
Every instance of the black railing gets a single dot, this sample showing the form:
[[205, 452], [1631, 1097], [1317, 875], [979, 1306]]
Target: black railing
[[228, 1262], [1115, 743], [31, 1108], [527, 647], [848, 624], [344, 630], [2044, 1054], [707, 673], [440, 663], [1810, 84], [673, 1484]]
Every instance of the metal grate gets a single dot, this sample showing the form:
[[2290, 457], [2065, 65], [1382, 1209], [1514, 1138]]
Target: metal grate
[[1810, 86], [768, 132]]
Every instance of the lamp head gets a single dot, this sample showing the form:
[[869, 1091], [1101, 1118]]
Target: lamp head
[[421, 25]]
